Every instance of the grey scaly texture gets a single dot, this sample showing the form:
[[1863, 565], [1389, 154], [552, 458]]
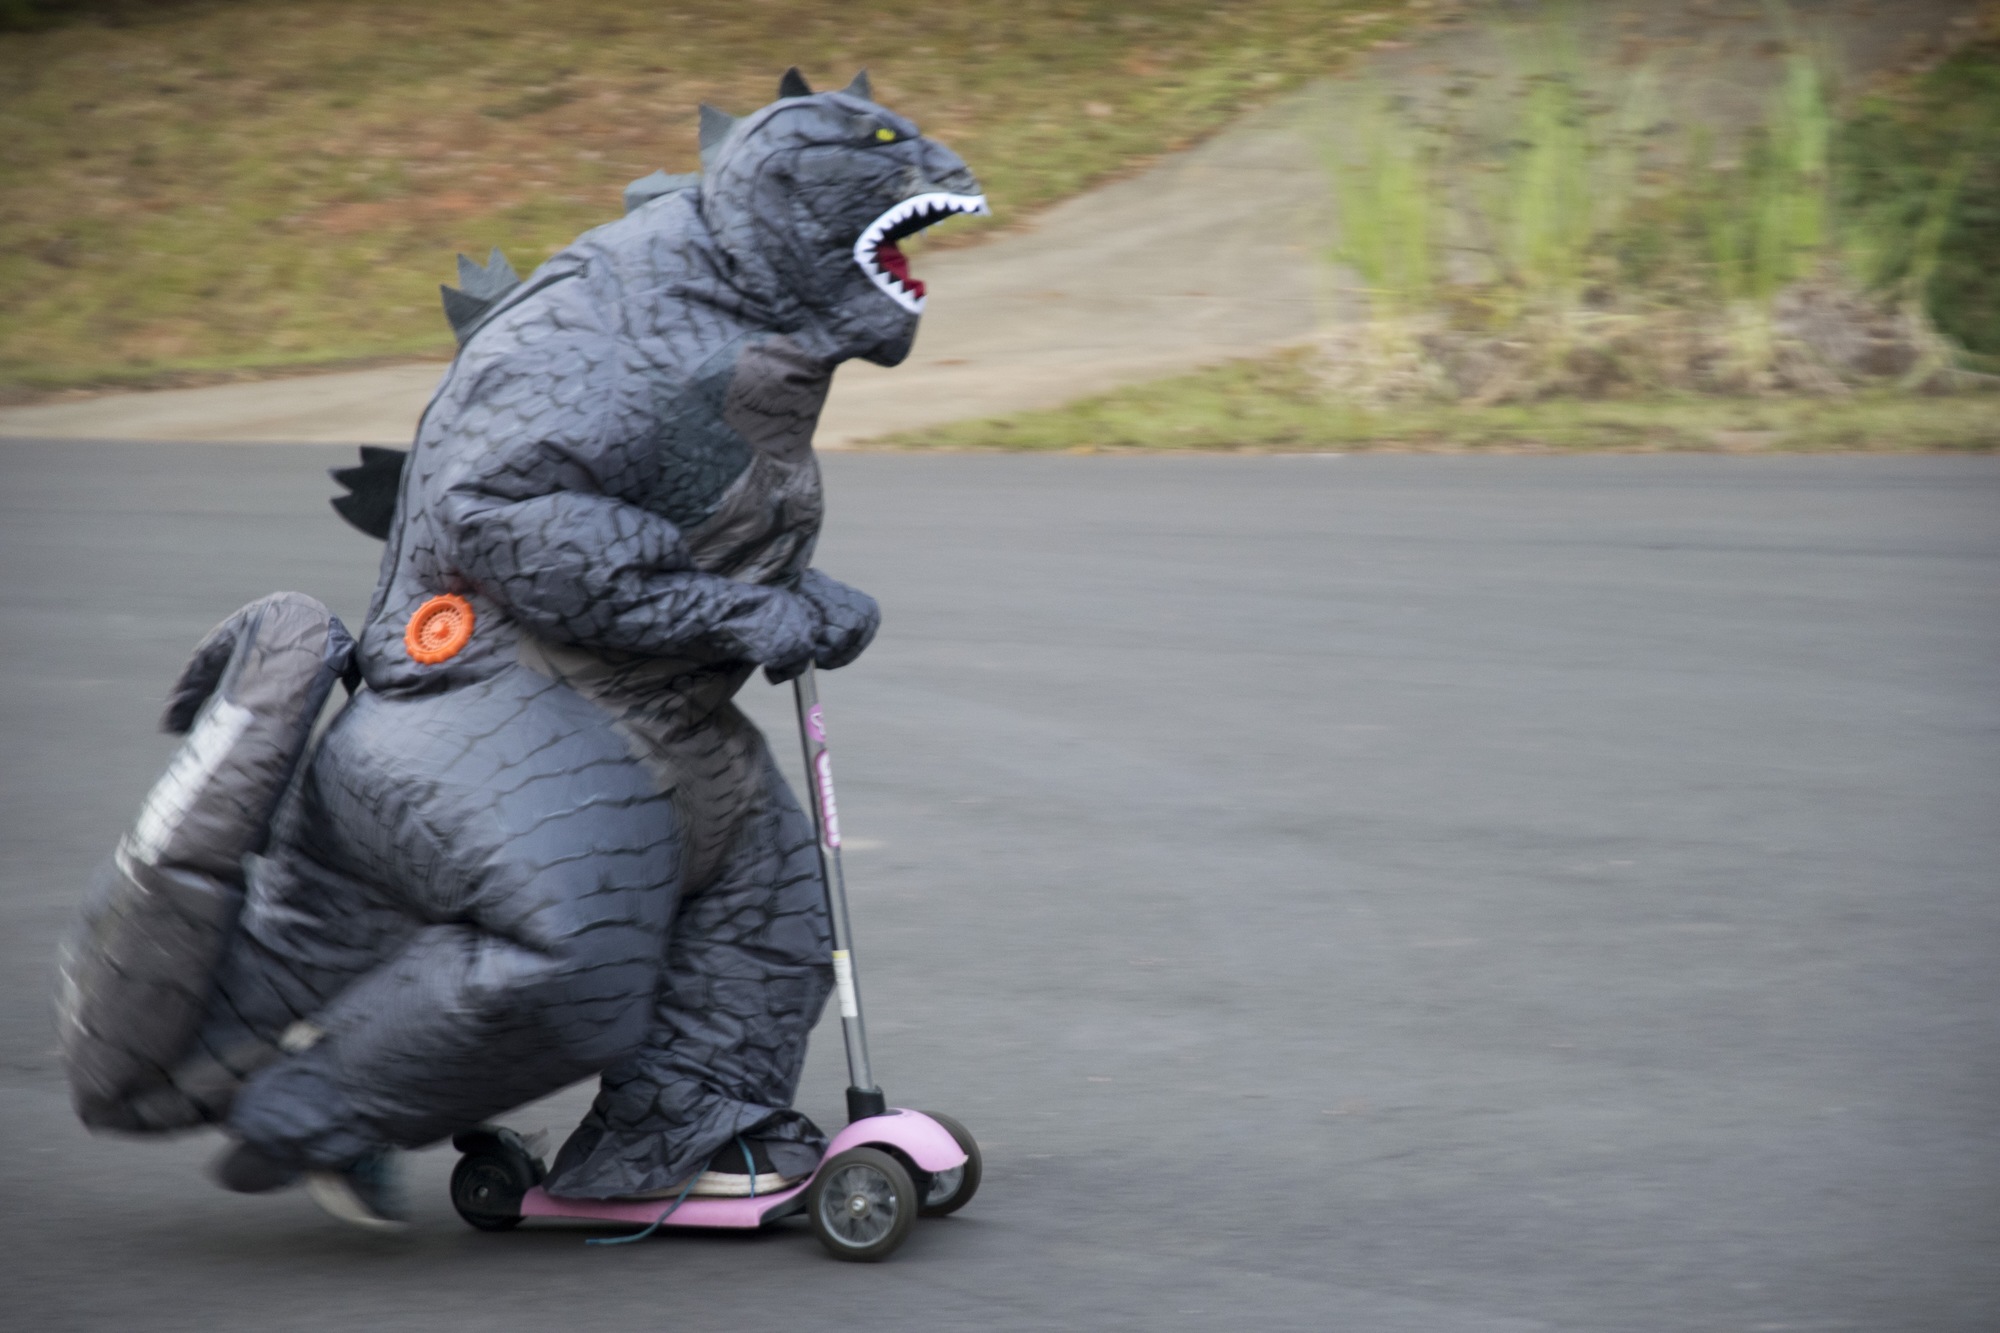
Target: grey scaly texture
[[564, 850]]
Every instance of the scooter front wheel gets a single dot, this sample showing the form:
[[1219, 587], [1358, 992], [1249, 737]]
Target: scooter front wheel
[[862, 1205], [945, 1192]]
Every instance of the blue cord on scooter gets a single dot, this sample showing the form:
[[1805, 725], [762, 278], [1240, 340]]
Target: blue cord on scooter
[[641, 1235]]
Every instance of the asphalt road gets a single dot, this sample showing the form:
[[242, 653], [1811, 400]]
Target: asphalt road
[[1366, 893]]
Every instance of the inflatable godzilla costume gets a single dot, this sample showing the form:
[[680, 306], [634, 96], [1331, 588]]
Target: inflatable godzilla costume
[[541, 843]]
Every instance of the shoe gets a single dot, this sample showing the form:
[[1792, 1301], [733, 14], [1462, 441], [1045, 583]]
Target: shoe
[[727, 1176], [367, 1193], [242, 1169], [730, 1175]]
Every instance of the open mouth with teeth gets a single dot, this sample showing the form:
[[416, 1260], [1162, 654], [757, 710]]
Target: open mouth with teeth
[[884, 263]]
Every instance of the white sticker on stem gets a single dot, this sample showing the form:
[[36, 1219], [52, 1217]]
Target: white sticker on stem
[[843, 982]]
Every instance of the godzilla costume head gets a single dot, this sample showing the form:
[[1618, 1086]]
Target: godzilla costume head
[[809, 196]]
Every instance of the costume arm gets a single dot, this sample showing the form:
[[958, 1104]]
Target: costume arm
[[532, 529]]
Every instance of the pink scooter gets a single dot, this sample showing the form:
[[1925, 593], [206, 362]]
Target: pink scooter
[[887, 1168]]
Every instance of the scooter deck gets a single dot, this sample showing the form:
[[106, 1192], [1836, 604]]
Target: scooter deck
[[912, 1133]]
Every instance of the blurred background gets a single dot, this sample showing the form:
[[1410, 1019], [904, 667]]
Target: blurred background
[[1498, 206], [199, 186]]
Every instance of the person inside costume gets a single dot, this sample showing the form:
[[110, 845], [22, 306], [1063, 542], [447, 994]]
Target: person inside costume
[[541, 842]]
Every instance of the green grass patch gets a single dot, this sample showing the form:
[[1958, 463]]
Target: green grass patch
[[214, 186], [1919, 169], [1568, 229], [1277, 403]]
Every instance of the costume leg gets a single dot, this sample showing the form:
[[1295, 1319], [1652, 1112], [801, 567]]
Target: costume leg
[[536, 865], [748, 971]]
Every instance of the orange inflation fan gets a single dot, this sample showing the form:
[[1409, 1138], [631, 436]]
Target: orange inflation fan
[[439, 629]]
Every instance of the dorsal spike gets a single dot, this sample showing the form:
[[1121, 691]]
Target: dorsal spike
[[463, 310], [371, 502], [489, 282], [859, 87], [794, 84], [715, 127]]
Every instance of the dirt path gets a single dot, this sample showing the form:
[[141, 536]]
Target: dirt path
[[1206, 255]]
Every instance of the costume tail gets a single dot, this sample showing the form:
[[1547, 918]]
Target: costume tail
[[134, 977]]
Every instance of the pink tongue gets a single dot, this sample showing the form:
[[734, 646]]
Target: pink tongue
[[892, 261]]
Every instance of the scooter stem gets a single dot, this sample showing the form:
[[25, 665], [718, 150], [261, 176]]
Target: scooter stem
[[863, 1097]]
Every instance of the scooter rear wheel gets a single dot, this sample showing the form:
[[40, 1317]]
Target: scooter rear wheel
[[945, 1192], [862, 1205], [486, 1188]]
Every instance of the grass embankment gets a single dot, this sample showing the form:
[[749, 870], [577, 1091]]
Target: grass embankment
[[1918, 167], [1279, 404], [205, 186], [1548, 266]]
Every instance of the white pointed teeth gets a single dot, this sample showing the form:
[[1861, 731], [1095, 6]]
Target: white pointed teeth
[[907, 218], [920, 211]]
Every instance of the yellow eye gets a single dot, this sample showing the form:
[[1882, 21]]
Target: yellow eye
[[886, 135]]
